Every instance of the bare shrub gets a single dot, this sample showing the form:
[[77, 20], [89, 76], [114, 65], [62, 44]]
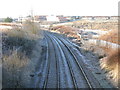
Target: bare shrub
[[29, 30], [31, 27], [12, 69], [15, 61], [25, 37], [101, 25], [18, 65], [10, 43], [67, 30], [111, 63], [16, 33], [111, 36]]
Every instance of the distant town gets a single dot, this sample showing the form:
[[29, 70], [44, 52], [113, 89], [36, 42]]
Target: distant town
[[59, 18]]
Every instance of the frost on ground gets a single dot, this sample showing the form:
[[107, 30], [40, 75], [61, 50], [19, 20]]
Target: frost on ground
[[92, 55]]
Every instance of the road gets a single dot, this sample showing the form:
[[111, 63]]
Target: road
[[63, 66]]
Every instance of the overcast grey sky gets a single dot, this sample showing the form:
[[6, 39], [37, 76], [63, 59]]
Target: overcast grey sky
[[16, 8]]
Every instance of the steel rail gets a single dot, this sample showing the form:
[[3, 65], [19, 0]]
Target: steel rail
[[57, 67], [84, 74], [70, 67], [47, 71]]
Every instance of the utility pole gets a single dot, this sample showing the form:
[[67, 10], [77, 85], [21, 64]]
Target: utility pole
[[20, 19], [32, 17]]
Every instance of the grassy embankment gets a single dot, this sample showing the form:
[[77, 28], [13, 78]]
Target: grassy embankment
[[17, 48], [112, 61]]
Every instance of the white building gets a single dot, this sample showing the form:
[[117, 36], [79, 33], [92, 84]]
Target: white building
[[52, 18]]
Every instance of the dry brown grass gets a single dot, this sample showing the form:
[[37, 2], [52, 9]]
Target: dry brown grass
[[25, 37], [111, 36], [101, 25], [112, 63], [31, 27], [14, 61], [22, 34], [29, 30], [67, 30], [18, 65], [13, 67], [10, 24]]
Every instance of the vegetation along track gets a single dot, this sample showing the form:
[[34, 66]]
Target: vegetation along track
[[63, 67]]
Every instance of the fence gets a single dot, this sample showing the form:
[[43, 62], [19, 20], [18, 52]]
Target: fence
[[103, 43]]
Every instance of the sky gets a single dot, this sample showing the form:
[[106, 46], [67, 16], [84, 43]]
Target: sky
[[17, 8]]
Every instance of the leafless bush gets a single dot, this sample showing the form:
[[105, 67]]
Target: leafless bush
[[29, 30], [95, 25], [12, 69], [67, 30], [112, 63], [111, 36], [15, 63]]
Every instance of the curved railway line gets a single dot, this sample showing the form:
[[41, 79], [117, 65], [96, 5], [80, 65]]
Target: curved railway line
[[62, 67], [81, 69]]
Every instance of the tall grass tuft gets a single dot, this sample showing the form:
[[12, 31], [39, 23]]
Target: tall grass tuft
[[112, 63], [13, 66], [111, 36], [29, 30], [14, 61], [66, 30]]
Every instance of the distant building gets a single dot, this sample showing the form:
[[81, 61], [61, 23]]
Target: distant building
[[23, 19], [52, 18], [86, 17], [69, 18], [75, 17], [102, 17], [114, 17], [62, 19], [40, 18], [97, 17]]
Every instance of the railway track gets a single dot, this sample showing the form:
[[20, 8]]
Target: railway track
[[85, 77], [62, 68], [67, 62], [80, 59], [51, 68], [76, 85]]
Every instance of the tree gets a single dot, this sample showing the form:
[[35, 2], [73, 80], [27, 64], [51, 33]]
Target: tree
[[8, 19]]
